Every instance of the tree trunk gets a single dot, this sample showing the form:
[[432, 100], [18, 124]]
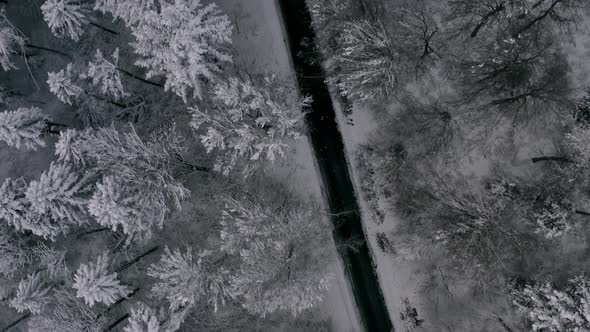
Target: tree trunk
[[92, 232], [537, 19], [136, 259], [559, 159], [121, 300], [117, 322], [113, 32], [139, 78], [16, 322], [504, 325], [49, 50], [485, 19]]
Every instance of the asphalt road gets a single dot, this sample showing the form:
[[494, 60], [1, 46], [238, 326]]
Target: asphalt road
[[330, 154]]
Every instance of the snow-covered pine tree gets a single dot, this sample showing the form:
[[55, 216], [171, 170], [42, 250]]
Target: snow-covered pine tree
[[143, 319], [136, 209], [184, 42], [283, 255], [553, 309], [137, 185], [96, 284], [553, 217], [105, 75], [14, 254], [12, 42], [577, 145], [65, 17], [368, 67], [32, 294], [62, 84], [184, 280], [130, 11], [67, 313], [23, 127], [13, 205], [60, 194], [249, 123]]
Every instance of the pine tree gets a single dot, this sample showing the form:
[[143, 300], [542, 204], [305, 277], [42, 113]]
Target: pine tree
[[13, 206], [12, 42], [105, 75], [143, 319], [282, 255], [32, 294], [552, 309], [250, 123], [130, 11], [23, 127], [184, 280], [184, 42], [59, 194], [137, 183], [62, 84], [14, 254], [65, 17], [95, 284], [67, 313], [135, 209]]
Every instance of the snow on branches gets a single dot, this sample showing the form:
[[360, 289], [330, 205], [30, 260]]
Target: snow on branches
[[59, 194], [552, 309], [143, 319], [184, 280], [12, 42], [137, 183], [32, 294], [96, 284], [368, 67], [23, 127], [13, 206], [130, 11], [184, 42], [105, 75], [62, 84], [249, 123], [282, 255], [65, 17]]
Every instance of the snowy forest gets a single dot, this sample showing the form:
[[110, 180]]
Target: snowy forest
[[172, 165]]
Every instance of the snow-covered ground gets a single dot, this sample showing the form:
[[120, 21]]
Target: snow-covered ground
[[260, 48], [397, 280]]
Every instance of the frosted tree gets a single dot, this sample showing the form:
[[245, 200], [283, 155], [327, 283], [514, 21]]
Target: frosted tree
[[65, 17], [60, 194], [23, 127], [96, 284], [135, 209], [184, 42], [250, 123], [62, 84], [130, 11], [137, 185], [555, 309], [368, 67], [283, 255], [553, 218], [13, 205], [143, 319], [105, 75], [67, 313], [184, 280], [14, 255], [12, 42], [32, 294]]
